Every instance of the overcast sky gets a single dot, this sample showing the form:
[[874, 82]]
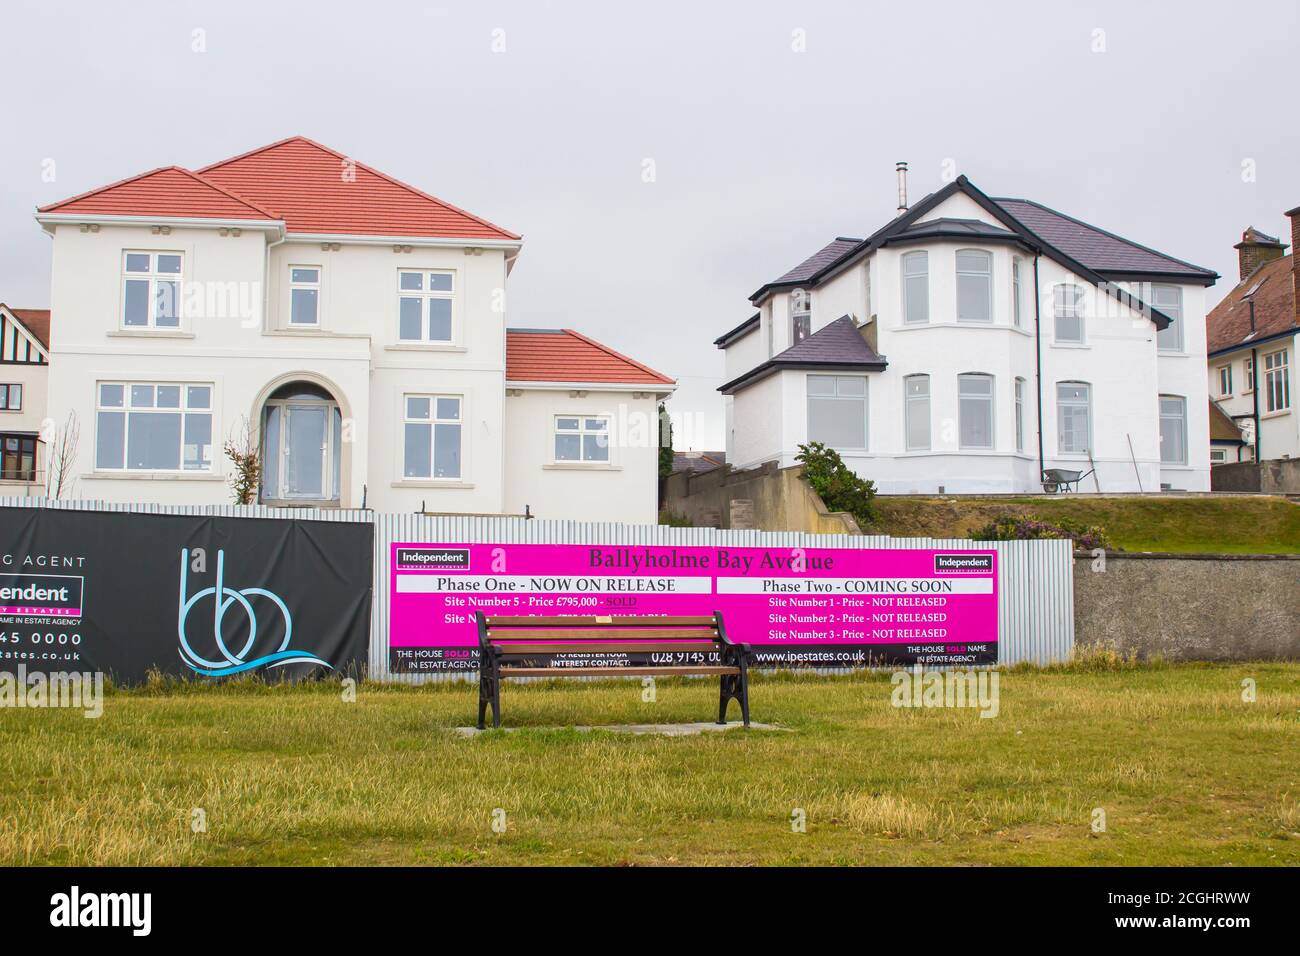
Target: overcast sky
[[771, 126]]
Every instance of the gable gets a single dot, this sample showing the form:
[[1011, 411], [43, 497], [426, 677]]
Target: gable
[[20, 341], [168, 193]]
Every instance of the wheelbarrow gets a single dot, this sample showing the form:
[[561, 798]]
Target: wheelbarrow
[[1063, 479]]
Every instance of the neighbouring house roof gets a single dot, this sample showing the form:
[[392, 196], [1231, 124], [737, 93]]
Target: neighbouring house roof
[[311, 188], [833, 348], [35, 321], [563, 355], [1093, 254], [743, 329], [1227, 326], [697, 462], [1222, 427]]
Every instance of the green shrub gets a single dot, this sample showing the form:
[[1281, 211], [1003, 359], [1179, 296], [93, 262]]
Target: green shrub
[[840, 488], [674, 520], [1022, 527]]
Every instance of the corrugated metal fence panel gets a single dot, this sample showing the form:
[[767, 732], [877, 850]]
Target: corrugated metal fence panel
[[1035, 578]]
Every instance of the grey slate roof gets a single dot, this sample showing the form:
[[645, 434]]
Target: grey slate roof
[[1096, 248], [836, 347], [819, 259], [947, 227], [730, 336]]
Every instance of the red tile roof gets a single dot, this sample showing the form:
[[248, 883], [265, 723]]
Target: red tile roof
[[36, 321], [317, 190], [563, 355], [1228, 323], [312, 188], [170, 192]]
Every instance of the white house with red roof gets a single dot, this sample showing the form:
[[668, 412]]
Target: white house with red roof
[[24, 371], [352, 325], [976, 345]]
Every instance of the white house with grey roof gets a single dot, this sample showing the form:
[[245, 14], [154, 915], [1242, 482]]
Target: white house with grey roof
[[973, 343]]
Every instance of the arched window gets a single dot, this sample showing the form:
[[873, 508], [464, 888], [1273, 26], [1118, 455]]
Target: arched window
[[1073, 417], [974, 286], [916, 408], [975, 410], [916, 288]]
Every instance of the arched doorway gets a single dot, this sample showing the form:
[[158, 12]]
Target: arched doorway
[[302, 446]]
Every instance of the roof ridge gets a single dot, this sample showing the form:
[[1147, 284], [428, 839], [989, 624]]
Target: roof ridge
[[374, 172], [620, 355], [153, 172], [1104, 232], [229, 192]]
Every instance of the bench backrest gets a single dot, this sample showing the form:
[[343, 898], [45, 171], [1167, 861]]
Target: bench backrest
[[581, 634]]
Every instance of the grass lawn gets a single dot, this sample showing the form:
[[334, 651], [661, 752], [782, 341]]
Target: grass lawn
[[1184, 769], [1237, 525]]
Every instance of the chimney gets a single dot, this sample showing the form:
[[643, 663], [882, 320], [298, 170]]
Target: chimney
[[1294, 215], [902, 187], [1256, 248]]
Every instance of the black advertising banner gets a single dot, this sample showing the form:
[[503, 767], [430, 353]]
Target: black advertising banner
[[191, 596]]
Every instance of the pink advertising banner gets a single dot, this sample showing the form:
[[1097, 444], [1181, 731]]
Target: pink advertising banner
[[818, 607]]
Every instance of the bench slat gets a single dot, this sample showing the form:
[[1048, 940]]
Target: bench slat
[[599, 621], [613, 671], [600, 646], [596, 633]]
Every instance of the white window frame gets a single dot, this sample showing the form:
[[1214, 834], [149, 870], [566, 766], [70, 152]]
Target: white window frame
[[316, 287], [911, 405], [1248, 365], [426, 295], [1181, 418], [1059, 312], [1277, 381], [153, 277], [800, 311], [986, 275], [7, 402], [128, 408], [1169, 339], [864, 398], [583, 432], [1061, 406], [923, 257], [1017, 292], [1218, 456], [988, 400], [433, 420], [1019, 399], [1225, 380]]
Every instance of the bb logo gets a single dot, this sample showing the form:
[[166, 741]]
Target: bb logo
[[245, 619]]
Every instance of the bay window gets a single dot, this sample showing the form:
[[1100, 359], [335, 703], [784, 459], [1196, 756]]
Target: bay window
[[916, 287], [153, 426], [916, 406], [1020, 414], [151, 290], [432, 439], [425, 300], [975, 410], [1016, 293], [974, 286]]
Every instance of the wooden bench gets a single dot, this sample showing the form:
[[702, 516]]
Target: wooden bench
[[519, 646]]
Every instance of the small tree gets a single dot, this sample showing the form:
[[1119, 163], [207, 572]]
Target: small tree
[[241, 448], [61, 457], [665, 442], [840, 488]]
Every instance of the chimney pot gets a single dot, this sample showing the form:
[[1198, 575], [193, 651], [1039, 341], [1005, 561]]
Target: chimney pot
[[902, 187]]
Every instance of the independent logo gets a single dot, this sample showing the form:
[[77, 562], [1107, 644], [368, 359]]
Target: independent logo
[[243, 605]]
